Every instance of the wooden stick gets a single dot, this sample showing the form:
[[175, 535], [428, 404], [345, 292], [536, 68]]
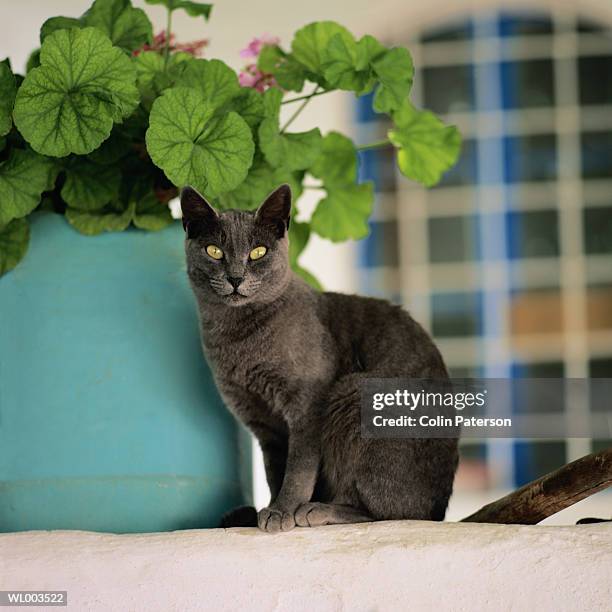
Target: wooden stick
[[551, 493]]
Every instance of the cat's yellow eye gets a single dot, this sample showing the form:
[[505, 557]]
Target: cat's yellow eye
[[214, 251], [258, 252]]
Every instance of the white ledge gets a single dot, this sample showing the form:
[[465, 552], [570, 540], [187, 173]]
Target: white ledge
[[380, 566]]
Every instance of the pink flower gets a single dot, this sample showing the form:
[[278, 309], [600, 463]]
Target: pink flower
[[252, 76], [254, 47], [248, 79], [194, 48]]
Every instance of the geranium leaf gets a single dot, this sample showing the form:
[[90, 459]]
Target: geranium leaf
[[346, 63], [195, 146], [83, 85], [249, 105], [299, 233], [33, 60], [337, 162], [8, 89], [344, 213], [108, 219], [53, 24], [194, 9], [293, 151], [14, 240], [310, 42], [114, 148], [128, 28], [214, 79], [307, 276], [427, 147], [259, 182], [90, 186], [23, 177], [394, 70], [368, 50], [150, 214], [288, 73], [154, 75]]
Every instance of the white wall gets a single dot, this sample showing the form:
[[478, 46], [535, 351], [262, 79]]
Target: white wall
[[391, 566]]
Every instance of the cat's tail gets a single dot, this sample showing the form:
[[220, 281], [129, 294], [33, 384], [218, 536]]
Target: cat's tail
[[243, 516]]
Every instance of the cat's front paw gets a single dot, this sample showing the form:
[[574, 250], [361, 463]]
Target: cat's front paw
[[312, 514], [273, 520]]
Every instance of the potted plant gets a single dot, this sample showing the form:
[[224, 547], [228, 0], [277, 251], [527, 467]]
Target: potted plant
[[110, 419]]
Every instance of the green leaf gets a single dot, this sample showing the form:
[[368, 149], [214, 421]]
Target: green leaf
[[307, 276], [194, 9], [299, 233], [294, 151], [114, 148], [249, 105], [337, 162], [289, 73], [151, 214], [309, 44], [427, 147], [53, 24], [83, 85], [344, 213], [394, 69], [90, 186], [8, 89], [368, 50], [272, 99], [346, 63], [128, 28], [108, 219], [151, 65], [23, 177], [14, 240], [261, 180], [195, 146], [137, 179], [33, 60], [214, 79], [269, 58], [154, 75]]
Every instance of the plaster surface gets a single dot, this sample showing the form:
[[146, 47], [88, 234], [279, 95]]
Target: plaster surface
[[379, 566]]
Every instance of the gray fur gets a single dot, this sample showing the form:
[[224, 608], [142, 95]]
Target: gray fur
[[288, 361]]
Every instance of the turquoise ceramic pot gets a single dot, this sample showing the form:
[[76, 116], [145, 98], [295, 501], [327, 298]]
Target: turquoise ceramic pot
[[109, 417]]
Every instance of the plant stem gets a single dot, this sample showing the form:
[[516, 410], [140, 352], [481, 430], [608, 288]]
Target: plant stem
[[378, 144], [307, 97], [300, 108], [168, 31]]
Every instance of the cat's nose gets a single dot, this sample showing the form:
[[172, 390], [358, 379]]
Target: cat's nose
[[235, 281]]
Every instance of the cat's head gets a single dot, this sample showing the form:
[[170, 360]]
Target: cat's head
[[237, 257]]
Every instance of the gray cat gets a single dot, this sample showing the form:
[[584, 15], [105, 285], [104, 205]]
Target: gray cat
[[288, 361]]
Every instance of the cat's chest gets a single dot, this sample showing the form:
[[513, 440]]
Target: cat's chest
[[262, 353], [273, 364]]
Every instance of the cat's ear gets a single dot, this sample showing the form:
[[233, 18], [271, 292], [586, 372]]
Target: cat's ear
[[276, 210], [197, 212]]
